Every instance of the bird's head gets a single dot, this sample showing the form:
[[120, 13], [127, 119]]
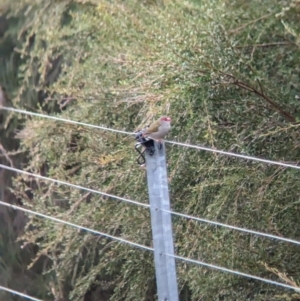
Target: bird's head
[[165, 118]]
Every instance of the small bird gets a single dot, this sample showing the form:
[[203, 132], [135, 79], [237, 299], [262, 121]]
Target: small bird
[[158, 129]]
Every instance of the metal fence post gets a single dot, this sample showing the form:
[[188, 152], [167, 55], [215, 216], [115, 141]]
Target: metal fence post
[[165, 266]]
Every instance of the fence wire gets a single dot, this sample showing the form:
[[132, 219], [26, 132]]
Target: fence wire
[[187, 145], [121, 240]]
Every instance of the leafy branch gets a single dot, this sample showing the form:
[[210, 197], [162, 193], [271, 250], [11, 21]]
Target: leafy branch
[[260, 93]]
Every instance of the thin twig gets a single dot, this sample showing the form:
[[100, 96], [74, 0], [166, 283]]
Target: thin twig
[[5, 154], [78, 202], [245, 86], [285, 114], [264, 44], [248, 23]]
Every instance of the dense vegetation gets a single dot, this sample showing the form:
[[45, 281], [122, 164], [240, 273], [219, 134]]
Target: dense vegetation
[[227, 72]]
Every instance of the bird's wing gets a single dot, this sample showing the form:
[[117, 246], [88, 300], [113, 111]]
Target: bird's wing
[[153, 127]]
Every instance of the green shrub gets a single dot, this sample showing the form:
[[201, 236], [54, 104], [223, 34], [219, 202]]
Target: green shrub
[[228, 74]]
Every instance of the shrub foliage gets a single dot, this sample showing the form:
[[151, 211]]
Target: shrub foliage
[[228, 74]]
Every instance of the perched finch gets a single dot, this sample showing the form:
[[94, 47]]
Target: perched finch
[[158, 129]]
